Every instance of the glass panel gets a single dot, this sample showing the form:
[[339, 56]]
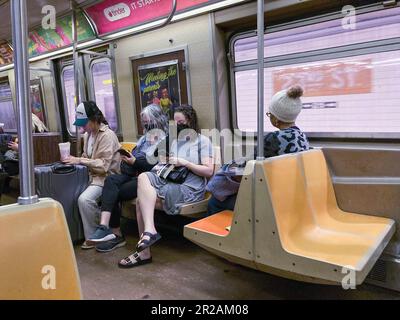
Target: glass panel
[[7, 114], [378, 25], [5, 91], [358, 94], [37, 103], [69, 91], [104, 93]]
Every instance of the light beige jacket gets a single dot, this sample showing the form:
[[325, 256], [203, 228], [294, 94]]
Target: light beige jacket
[[105, 159]]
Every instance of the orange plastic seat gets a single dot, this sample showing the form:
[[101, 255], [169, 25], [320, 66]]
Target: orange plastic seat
[[38, 260], [323, 201], [217, 224], [309, 222], [128, 146], [229, 234], [287, 222]]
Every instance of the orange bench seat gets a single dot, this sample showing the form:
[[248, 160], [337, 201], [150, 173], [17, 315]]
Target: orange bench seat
[[218, 224]]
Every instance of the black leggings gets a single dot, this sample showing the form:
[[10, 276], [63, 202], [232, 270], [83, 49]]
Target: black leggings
[[117, 188]]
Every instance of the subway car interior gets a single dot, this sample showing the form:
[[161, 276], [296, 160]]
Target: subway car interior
[[321, 223]]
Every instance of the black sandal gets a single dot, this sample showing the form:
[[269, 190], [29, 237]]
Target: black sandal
[[136, 261], [144, 243]]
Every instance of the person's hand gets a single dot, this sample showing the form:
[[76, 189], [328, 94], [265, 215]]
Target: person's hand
[[127, 160], [13, 146], [178, 162], [72, 160]]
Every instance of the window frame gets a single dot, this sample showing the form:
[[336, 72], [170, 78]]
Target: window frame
[[5, 80], [346, 51], [91, 89], [64, 97]]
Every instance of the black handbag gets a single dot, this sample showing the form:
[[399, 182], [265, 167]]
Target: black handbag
[[179, 174]]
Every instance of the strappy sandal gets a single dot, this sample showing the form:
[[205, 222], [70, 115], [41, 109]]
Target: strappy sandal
[[133, 260], [147, 243]]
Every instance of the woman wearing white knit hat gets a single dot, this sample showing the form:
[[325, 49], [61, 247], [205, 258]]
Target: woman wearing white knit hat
[[283, 111]]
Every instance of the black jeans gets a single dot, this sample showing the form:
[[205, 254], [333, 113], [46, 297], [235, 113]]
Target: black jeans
[[214, 205], [117, 188]]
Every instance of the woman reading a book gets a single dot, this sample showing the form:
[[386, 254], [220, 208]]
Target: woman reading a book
[[123, 187], [192, 160]]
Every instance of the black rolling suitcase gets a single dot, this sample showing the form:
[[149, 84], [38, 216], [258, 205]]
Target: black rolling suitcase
[[64, 183]]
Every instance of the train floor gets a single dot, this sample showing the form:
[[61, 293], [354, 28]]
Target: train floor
[[182, 270]]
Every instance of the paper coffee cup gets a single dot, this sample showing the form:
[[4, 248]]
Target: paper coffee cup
[[65, 150]]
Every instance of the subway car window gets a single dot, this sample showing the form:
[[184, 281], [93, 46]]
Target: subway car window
[[353, 95], [69, 95], [356, 94], [378, 25], [7, 114], [103, 91]]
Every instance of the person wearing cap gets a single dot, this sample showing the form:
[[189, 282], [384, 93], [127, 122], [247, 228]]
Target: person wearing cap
[[100, 145], [283, 112]]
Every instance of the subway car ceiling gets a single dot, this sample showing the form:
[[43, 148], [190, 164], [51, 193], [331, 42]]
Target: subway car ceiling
[[210, 72]]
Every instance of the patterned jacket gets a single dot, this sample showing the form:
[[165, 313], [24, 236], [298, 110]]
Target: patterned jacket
[[289, 140]]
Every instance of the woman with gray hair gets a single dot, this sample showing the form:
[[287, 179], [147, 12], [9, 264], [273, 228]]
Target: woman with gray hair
[[122, 187]]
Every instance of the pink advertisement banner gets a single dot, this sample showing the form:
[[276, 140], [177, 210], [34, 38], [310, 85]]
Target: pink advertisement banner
[[113, 15]]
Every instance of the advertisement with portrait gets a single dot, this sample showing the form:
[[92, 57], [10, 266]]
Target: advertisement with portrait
[[159, 84], [37, 100], [160, 79]]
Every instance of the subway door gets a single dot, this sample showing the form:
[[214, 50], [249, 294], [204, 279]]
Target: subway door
[[101, 85], [160, 79], [64, 70], [96, 83]]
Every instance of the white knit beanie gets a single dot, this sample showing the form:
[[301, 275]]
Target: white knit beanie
[[286, 104]]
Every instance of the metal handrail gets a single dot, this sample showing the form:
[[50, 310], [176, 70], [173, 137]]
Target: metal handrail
[[260, 91], [21, 73], [75, 55]]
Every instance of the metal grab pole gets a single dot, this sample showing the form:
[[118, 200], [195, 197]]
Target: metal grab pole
[[21, 71], [75, 56], [260, 92]]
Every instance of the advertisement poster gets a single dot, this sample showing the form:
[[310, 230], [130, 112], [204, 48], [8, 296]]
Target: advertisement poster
[[159, 84], [41, 41], [111, 15], [6, 53], [37, 103]]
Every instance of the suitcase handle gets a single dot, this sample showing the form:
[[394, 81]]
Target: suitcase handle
[[63, 168]]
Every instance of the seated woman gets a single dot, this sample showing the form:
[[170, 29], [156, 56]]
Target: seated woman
[[122, 187], [190, 150], [100, 145], [283, 112]]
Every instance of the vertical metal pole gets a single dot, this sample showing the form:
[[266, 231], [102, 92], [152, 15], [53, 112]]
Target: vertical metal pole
[[260, 92], [75, 56], [21, 71]]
